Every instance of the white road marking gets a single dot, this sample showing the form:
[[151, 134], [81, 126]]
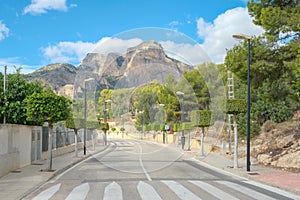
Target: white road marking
[[79, 192], [274, 189], [71, 168], [47, 194], [142, 165], [147, 192], [181, 191], [113, 192], [245, 190], [213, 190]]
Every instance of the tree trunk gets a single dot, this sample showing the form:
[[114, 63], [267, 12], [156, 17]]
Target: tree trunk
[[76, 142], [202, 142], [235, 158], [50, 134]]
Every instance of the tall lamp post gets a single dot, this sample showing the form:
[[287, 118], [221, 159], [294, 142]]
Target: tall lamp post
[[105, 119], [85, 115], [246, 37], [181, 94], [4, 90], [165, 135], [142, 114]]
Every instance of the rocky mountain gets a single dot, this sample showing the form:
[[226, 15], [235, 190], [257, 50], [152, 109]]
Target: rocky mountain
[[140, 65], [57, 76]]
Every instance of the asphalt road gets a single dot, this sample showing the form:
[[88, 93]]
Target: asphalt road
[[143, 170]]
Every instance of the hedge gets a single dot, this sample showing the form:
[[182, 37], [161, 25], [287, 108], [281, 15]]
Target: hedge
[[155, 127], [104, 126], [187, 126], [236, 106], [201, 118], [92, 125]]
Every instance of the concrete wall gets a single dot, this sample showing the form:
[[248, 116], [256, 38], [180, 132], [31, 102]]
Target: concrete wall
[[15, 146]]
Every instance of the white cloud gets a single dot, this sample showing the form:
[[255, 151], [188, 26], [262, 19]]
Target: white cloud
[[74, 52], [217, 36], [192, 54], [14, 63], [117, 45], [3, 31], [42, 6], [68, 52]]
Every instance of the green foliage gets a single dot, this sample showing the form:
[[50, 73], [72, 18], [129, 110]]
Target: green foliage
[[138, 127], [201, 118], [198, 84], [147, 127], [155, 127], [236, 106], [122, 129], [104, 126], [175, 127], [12, 102], [187, 126], [276, 17], [274, 65], [46, 106], [74, 123], [92, 124], [242, 125], [113, 129], [275, 111]]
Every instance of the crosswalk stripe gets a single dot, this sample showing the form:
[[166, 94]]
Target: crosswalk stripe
[[47, 194], [245, 190], [147, 192], [181, 191], [213, 190], [113, 192], [79, 192]]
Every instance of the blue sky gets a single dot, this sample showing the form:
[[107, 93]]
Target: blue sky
[[34, 33]]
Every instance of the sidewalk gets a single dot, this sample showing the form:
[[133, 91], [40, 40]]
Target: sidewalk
[[277, 178], [17, 184]]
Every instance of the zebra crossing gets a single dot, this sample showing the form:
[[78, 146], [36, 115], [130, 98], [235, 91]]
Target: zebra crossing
[[158, 189], [127, 143]]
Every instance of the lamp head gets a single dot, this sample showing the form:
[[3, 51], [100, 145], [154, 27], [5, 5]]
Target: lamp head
[[241, 36]]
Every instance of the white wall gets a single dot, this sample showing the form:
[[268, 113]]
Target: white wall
[[15, 146]]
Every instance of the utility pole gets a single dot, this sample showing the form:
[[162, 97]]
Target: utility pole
[[230, 81], [4, 90]]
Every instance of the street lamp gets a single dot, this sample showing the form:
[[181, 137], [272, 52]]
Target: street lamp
[[246, 37], [85, 115], [181, 95], [142, 114], [105, 119], [165, 135], [4, 91]]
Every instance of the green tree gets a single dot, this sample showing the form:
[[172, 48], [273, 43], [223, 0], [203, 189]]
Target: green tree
[[280, 18], [48, 107], [75, 124], [275, 60], [201, 118], [236, 106], [12, 103]]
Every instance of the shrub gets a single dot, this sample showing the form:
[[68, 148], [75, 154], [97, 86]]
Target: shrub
[[268, 126], [201, 118]]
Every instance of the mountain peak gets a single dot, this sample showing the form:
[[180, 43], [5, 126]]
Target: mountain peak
[[145, 46]]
